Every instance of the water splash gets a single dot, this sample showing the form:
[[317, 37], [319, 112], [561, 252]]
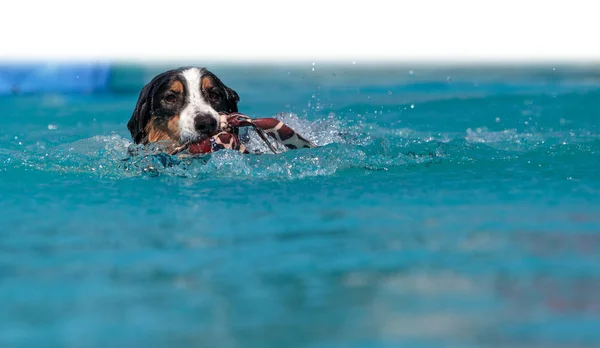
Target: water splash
[[343, 145]]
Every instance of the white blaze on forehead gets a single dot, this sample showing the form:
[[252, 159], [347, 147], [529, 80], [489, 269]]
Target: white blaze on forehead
[[195, 105]]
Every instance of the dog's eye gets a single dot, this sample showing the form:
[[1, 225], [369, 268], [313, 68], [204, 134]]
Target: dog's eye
[[214, 96], [170, 98]]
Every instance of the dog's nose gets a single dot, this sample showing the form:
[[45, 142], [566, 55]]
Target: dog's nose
[[205, 123]]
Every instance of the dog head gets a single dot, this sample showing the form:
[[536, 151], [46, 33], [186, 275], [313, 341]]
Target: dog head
[[181, 106]]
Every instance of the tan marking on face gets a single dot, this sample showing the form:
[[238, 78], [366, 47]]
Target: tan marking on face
[[207, 82], [161, 132], [155, 134], [177, 87], [173, 127]]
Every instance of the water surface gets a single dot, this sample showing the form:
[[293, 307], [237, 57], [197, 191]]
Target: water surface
[[445, 208]]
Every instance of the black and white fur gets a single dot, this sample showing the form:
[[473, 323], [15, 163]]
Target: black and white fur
[[181, 106]]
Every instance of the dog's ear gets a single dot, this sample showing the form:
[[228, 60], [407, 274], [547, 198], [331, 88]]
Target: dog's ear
[[141, 115], [232, 98]]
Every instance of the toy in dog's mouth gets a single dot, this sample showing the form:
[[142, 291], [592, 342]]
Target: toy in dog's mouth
[[193, 147], [199, 146], [226, 138]]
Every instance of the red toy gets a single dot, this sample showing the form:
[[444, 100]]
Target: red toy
[[227, 138]]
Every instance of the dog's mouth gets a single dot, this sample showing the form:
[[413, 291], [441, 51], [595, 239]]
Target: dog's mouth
[[196, 146], [193, 147], [202, 144]]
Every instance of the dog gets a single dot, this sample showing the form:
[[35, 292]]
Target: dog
[[181, 107]]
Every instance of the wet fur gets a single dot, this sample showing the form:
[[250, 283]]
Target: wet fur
[[149, 123]]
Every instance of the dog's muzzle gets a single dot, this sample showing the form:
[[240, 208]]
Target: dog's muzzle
[[205, 124]]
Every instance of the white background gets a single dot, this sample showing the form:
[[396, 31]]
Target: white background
[[259, 30]]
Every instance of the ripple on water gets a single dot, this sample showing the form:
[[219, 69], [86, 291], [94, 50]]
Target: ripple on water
[[343, 146]]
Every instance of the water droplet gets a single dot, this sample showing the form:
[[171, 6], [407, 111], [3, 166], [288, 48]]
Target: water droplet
[[313, 63], [412, 106], [448, 78], [353, 62], [497, 119], [553, 69], [313, 69], [20, 143], [411, 73], [389, 92], [16, 137], [52, 127], [77, 77]]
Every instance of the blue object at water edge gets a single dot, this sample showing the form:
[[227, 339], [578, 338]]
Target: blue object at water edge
[[59, 77]]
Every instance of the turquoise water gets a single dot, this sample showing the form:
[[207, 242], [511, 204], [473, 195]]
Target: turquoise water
[[446, 208]]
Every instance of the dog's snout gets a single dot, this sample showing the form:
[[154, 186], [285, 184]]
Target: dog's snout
[[205, 123]]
